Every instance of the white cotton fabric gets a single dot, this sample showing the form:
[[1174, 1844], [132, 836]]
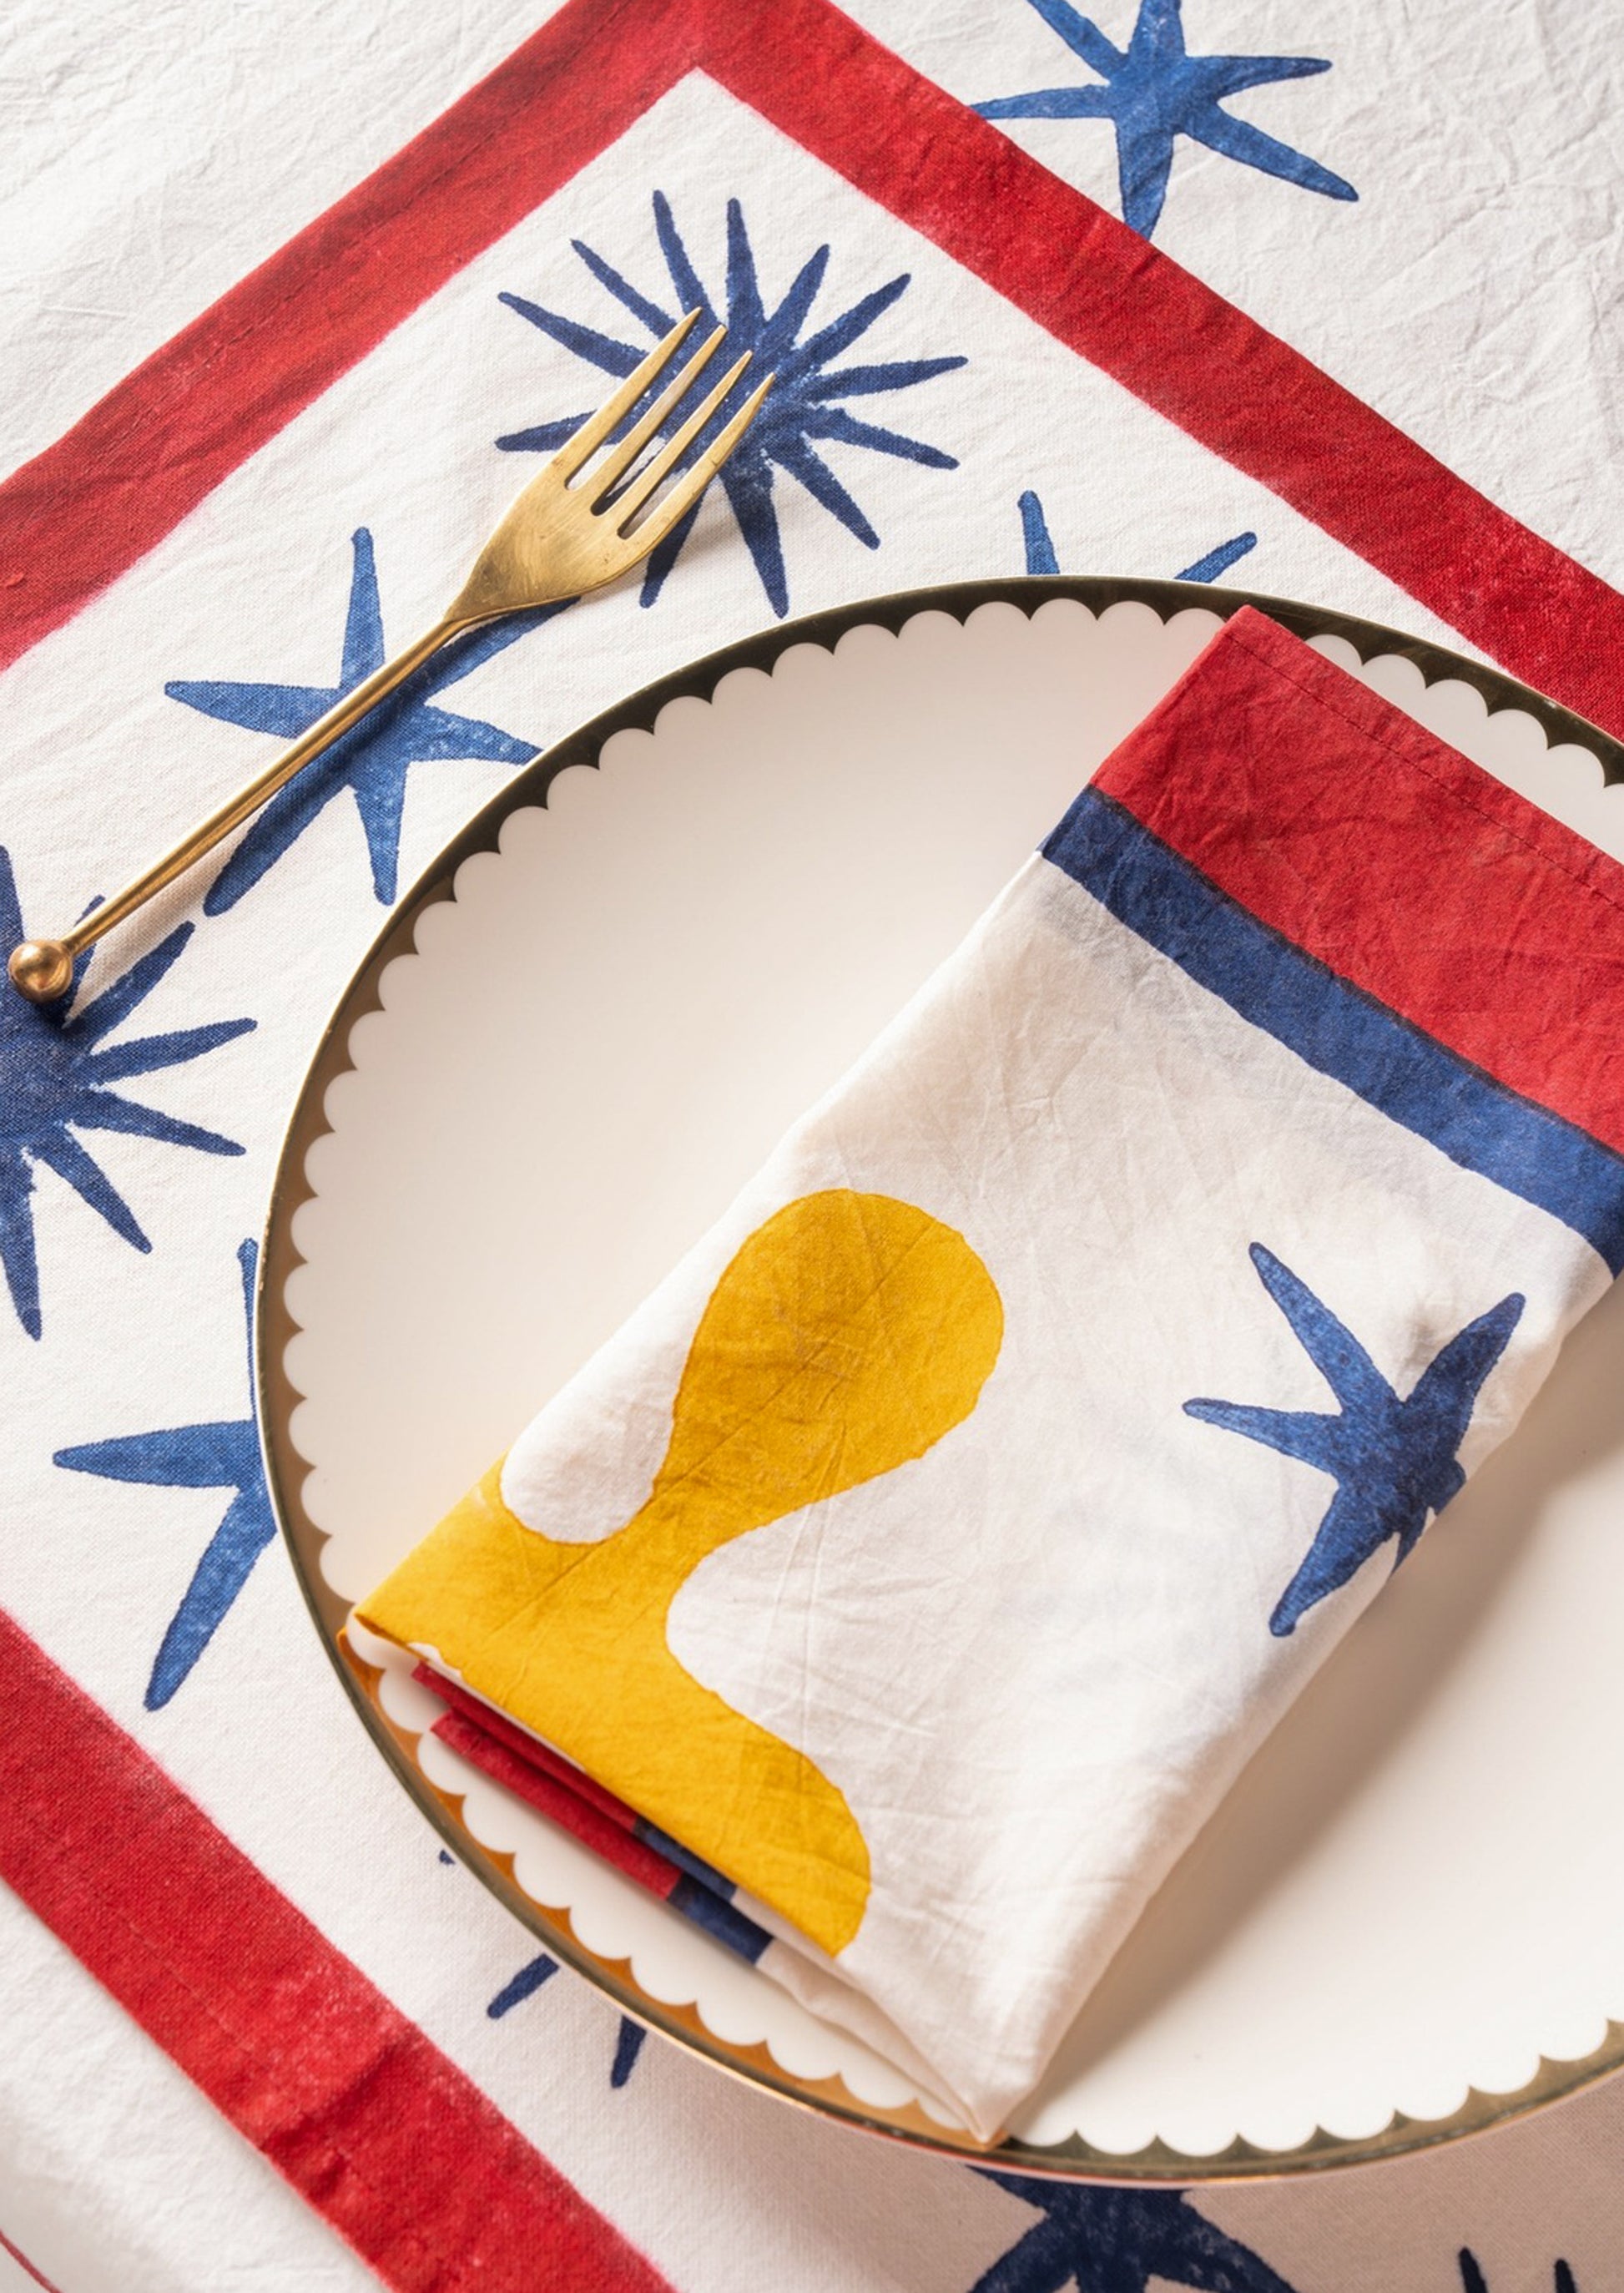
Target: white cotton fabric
[[1033, 1658]]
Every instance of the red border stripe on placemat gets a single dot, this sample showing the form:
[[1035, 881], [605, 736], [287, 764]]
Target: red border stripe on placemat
[[1179, 346], [372, 2123], [83, 511], [91, 505]]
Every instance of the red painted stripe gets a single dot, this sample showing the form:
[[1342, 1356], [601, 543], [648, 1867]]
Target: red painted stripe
[[1395, 861], [1180, 348], [370, 2122], [563, 1805], [161, 440], [90, 505]]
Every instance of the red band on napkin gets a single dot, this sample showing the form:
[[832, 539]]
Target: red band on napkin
[[1401, 866], [376, 2128], [568, 1794]]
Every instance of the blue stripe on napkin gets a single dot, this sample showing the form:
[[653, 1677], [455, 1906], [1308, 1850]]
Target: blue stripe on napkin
[[1338, 1028], [703, 1895], [719, 1917]]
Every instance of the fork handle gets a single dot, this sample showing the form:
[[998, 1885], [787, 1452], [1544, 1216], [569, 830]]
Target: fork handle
[[42, 970]]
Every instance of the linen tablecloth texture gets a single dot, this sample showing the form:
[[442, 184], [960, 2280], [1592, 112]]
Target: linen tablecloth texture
[[1304, 293], [1289, 1071]]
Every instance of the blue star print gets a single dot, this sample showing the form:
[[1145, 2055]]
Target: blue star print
[[628, 2046], [1394, 1461], [374, 760], [1120, 2241], [1040, 557], [1217, 562], [55, 1075], [221, 1455], [529, 1981], [1473, 2280], [804, 405], [1152, 91], [522, 1985]]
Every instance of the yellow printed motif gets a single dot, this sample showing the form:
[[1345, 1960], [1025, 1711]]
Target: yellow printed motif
[[848, 1334]]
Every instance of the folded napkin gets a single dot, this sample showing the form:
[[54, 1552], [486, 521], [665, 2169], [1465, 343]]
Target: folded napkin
[[904, 1584]]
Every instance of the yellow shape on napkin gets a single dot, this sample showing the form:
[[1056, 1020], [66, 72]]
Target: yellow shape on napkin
[[846, 1336]]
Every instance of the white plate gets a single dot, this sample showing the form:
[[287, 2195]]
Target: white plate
[[583, 1032]]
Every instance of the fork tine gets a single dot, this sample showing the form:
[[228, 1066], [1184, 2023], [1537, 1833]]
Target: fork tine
[[685, 494], [647, 482], [615, 464], [596, 427]]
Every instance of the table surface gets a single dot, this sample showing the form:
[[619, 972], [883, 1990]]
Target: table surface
[[294, 297]]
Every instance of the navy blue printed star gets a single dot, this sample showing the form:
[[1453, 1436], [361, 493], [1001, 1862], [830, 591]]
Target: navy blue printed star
[[1216, 563], [529, 1981], [1120, 2241], [213, 1455], [1040, 557], [1473, 2280], [1393, 1461], [373, 761], [522, 1985], [803, 411], [1153, 91], [628, 2046], [55, 1078]]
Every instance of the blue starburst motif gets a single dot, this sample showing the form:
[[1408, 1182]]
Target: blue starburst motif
[[1394, 1462], [530, 1978], [374, 760], [1473, 2280], [217, 1454], [522, 1985], [628, 2046], [1153, 91], [56, 1078], [1041, 558], [807, 409], [1215, 563], [1120, 2241]]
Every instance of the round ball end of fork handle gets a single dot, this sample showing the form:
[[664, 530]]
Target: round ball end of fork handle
[[42, 970]]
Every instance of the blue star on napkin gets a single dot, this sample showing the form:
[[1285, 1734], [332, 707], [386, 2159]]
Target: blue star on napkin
[[1393, 1461]]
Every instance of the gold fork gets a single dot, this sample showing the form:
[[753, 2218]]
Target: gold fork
[[558, 539]]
